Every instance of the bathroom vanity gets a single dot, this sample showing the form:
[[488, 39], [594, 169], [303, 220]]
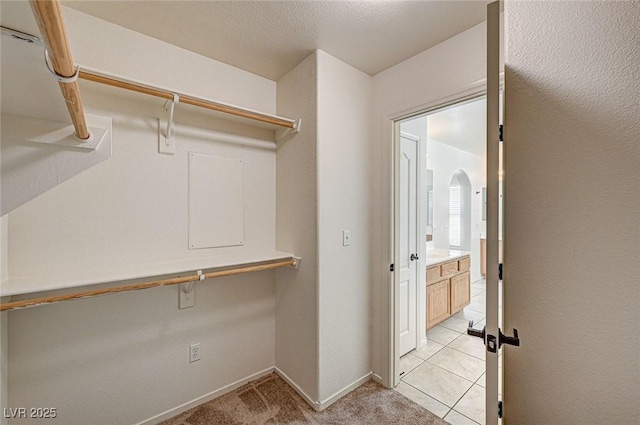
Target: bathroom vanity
[[448, 284]]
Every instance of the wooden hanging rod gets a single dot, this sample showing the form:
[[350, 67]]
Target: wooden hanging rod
[[51, 23], [135, 287], [190, 100], [49, 17]]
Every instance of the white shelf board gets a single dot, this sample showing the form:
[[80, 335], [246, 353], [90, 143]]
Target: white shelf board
[[57, 280]]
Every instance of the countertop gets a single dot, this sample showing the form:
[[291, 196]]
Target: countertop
[[436, 256]]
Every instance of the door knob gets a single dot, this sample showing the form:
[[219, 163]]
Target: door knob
[[414, 257]]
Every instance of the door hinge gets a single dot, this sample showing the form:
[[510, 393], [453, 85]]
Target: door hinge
[[500, 409], [500, 271], [501, 133], [391, 268]]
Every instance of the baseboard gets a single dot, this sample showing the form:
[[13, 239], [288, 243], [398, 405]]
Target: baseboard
[[317, 405], [378, 379], [205, 398], [321, 405], [422, 343], [297, 388], [335, 397]]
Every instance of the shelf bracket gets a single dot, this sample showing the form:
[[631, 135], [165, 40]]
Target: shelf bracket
[[166, 141], [296, 262], [285, 133]]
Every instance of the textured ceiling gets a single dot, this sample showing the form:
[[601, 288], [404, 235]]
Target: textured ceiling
[[269, 38]]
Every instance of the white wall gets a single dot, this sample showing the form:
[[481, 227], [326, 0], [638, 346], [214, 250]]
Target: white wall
[[344, 135], [445, 161], [572, 236], [163, 177], [123, 358], [297, 231], [323, 179], [427, 79]]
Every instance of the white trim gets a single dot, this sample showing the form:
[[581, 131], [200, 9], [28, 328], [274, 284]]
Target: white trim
[[395, 250], [205, 398], [377, 378], [321, 405], [299, 390], [466, 93], [344, 391]]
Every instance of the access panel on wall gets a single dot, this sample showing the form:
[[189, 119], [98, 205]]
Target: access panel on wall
[[216, 201]]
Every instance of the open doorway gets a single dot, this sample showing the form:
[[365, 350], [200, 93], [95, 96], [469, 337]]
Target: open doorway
[[444, 369]]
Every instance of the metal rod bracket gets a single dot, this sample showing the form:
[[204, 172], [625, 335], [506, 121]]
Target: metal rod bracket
[[296, 262], [187, 287], [166, 140], [60, 78], [169, 106], [285, 133]]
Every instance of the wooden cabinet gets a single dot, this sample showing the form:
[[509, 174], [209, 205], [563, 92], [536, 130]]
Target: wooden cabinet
[[448, 289], [438, 302], [460, 292]]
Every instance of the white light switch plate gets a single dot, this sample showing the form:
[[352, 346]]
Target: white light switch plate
[[346, 237], [187, 295]]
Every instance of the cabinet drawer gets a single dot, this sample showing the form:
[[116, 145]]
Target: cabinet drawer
[[449, 269], [433, 275], [463, 264]]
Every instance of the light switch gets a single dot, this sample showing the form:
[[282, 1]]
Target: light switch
[[346, 237]]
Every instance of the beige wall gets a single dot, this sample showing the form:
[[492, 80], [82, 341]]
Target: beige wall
[[344, 179], [123, 359], [297, 231], [572, 208], [322, 328]]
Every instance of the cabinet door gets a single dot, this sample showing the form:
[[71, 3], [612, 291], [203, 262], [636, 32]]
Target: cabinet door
[[460, 292], [437, 302]]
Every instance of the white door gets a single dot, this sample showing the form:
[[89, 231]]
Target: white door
[[408, 249]]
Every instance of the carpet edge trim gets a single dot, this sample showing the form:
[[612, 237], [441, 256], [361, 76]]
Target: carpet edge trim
[[205, 398]]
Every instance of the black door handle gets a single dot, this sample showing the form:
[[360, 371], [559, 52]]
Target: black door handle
[[490, 340], [414, 257]]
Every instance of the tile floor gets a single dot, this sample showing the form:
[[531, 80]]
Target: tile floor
[[447, 375]]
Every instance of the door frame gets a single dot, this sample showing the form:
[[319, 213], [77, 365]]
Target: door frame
[[390, 299]]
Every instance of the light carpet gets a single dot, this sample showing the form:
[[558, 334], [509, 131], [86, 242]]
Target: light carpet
[[271, 401]]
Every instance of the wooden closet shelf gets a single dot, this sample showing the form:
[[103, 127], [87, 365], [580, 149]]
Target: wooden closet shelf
[[195, 268]]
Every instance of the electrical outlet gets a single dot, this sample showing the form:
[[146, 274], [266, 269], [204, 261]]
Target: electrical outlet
[[194, 352]]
